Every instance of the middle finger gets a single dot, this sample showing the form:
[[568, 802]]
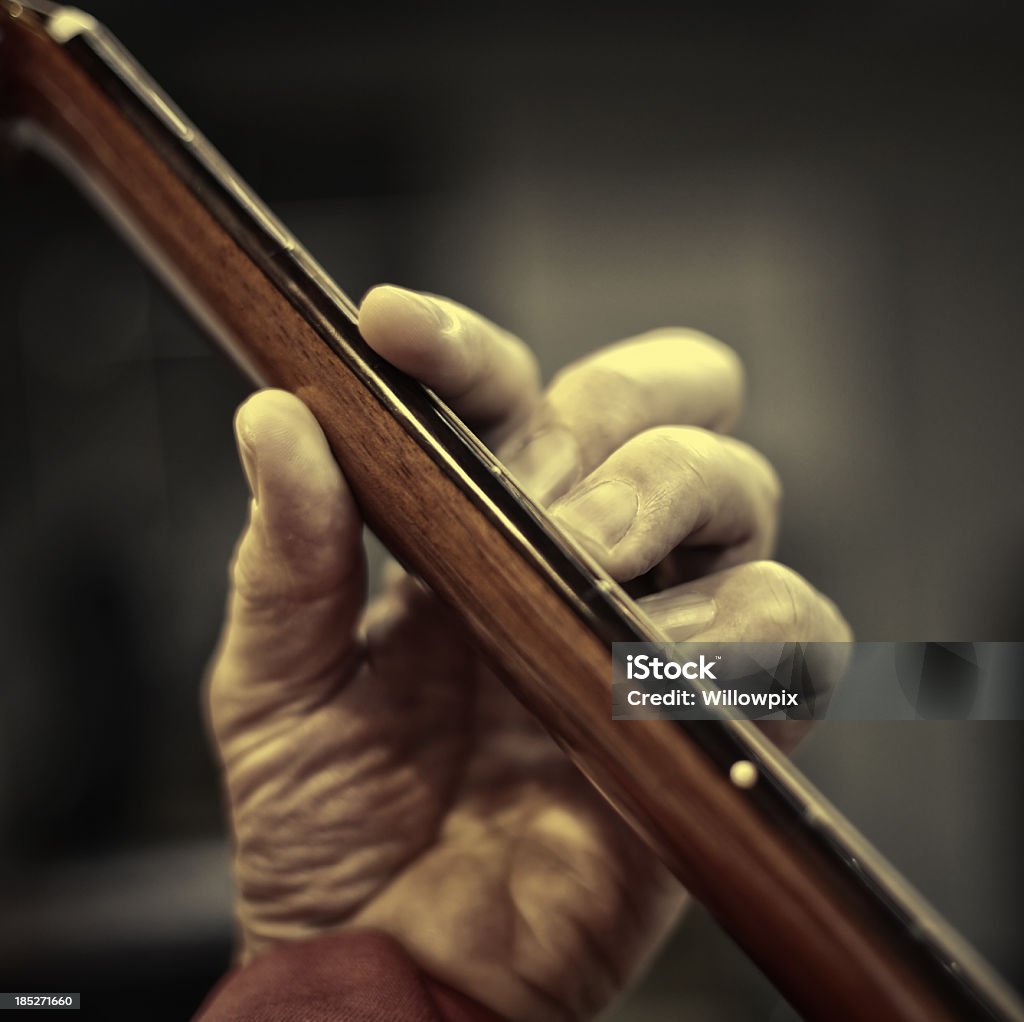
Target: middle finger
[[667, 377], [670, 486]]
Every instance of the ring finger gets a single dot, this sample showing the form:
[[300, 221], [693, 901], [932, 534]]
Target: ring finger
[[671, 486]]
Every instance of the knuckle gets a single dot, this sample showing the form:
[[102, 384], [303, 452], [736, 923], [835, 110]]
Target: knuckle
[[685, 335], [676, 446], [594, 382], [726, 354], [732, 361], [782, 596], [843, 631], [766, 478], [702, 344], [764, 471], [525, 367], [729, 367], [601, 404], [773, 484], [678, 457], [786, 607]]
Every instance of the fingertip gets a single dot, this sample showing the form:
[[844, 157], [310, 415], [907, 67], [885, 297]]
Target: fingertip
[[284, 452], [302, 539], [387, 311], [487, 375], [270, 414], [418, 333]]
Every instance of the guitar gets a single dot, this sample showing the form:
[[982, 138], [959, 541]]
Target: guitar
[[839, 932]]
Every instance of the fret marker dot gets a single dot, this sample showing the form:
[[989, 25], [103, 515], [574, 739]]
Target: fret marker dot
[[743, 773]]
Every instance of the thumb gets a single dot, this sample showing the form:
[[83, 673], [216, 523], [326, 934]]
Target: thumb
[[298, 577]]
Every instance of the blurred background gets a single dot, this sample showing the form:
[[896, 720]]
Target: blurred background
[[835, 192]]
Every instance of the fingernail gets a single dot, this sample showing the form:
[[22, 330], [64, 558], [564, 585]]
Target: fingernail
[[680, 612], [603, 513], [547, 465], [427, 308]]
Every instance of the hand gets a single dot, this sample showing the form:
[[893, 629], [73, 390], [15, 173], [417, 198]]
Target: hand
[[377, 774]]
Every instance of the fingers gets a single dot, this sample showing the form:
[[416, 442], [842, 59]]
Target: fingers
[[761, 601], [667, 377], [490, 378], [298, 575], [486, 374], [669, 486]]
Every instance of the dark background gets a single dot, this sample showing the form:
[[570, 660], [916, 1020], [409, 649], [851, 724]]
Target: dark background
[[837, 195]]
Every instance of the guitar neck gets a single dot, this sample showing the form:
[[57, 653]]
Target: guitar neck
[[842, 936]]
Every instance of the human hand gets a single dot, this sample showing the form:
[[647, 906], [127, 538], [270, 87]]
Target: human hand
[[377, 775]]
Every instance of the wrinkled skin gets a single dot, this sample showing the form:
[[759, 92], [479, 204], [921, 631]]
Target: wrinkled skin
[[377, 775]]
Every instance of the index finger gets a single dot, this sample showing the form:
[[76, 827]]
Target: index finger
[[488, 376]]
